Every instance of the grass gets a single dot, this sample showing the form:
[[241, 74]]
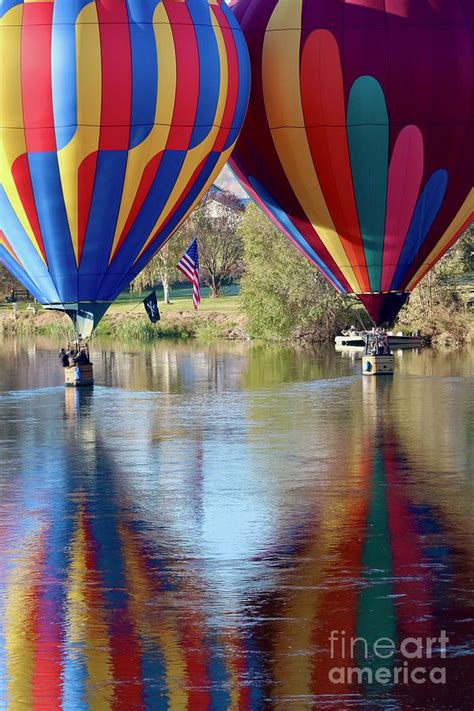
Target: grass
[[181, 297], [126, 318], [141, 329], [217, 318], [228, 303]]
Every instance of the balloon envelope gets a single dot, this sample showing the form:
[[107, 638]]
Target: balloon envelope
[[115, 118], [359, 139]]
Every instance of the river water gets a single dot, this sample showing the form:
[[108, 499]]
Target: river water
[[235, 526]]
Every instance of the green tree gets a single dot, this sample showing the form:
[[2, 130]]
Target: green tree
[[459, 260], [7, 283], [215, 223], [162, 268], [437, 306], [283, 294]]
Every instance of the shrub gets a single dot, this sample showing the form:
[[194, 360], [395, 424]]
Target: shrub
[[283, 295]]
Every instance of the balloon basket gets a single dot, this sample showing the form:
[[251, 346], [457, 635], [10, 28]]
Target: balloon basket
[[378, 364], [79, 375]]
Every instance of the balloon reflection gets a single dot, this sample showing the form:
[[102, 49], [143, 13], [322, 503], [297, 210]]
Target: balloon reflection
[[95, 618], [181, 549]]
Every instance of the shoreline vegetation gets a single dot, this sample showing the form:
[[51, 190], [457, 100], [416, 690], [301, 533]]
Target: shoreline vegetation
[[223, 319], [177, 322], [281, 297]]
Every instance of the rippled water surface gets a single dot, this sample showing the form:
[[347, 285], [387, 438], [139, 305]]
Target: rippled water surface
[[234, 527]]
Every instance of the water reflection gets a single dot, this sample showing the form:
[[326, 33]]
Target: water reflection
[[195, 543]]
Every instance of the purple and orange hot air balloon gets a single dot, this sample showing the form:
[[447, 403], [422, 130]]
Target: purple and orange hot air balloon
[[115, 117], [359, 140]]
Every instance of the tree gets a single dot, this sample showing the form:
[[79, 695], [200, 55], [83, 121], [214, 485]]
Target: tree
[[459, 259], [215, 224], [438, 305], [283, 294], [442, 284], [162, 268], [7, 283]]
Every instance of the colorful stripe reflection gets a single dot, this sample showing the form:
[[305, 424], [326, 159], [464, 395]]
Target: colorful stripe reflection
[[103, 607], [93, 621]]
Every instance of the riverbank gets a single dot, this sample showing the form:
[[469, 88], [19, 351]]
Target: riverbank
[[443, 312], [118, 323], [220, 318], [444, 328]]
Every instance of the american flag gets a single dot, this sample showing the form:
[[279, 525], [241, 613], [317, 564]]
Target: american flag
[[189, 265]]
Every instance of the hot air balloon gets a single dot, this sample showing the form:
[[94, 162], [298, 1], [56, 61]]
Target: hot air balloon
[[115, 117], [359, 139]]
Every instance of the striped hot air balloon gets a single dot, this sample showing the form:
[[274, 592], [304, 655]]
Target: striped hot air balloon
[[359, 140], [115, 117]]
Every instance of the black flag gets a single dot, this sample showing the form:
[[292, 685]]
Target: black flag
[[151, 307]]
